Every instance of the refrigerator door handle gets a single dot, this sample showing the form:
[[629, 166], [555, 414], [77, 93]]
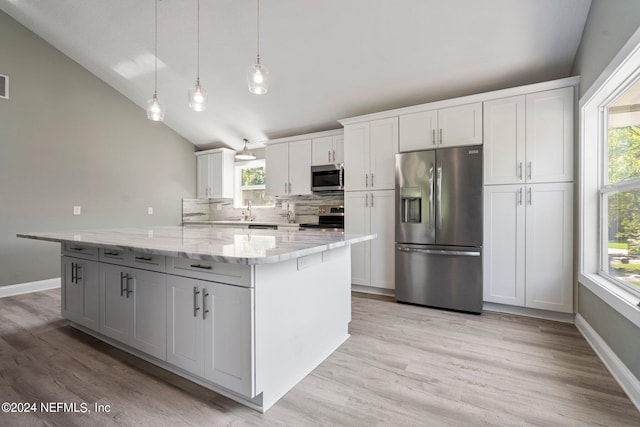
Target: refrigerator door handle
[[438, 251], [439, 197], [431, 205]]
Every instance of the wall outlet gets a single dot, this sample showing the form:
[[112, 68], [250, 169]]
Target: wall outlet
[[285, 206], [150, 210], [77, 210]]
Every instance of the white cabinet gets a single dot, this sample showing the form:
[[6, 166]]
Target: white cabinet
[[529, 138], [528, 257], [129, 312], [215, 173], [369, 154], [372, 262], [209, 332], [288, 168], [446, 127], [80, 291], [327, 149]]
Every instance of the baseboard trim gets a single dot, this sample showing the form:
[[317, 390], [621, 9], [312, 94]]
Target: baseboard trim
[[629, 383], [529, 312], [372, 290], [28, 287]]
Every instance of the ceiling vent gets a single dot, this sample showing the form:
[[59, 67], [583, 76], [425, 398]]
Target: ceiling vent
[[4, 86]]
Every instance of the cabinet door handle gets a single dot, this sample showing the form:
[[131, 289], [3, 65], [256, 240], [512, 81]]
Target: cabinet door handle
[[285, 187], [334, 155], [366, 180], [520, 171], [204, 267], [78, 268], [122, 288], [433, 136], [530, 197], [129, 289], [289, 187], [205, 310], [328, 155], [530, 169], [520, 196], [366, 200], [372, 185], [73, 272], [195, 301], [371, 199], [440, 136]]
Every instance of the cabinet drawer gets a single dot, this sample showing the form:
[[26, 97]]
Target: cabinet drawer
[[233, 274], [80, 251], [148, 261], [115, 256]]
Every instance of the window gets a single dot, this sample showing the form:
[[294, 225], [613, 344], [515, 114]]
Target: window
[[620, 189], [250, 184]]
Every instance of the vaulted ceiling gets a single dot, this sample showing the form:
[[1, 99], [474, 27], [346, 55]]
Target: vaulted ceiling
[[328, 59]]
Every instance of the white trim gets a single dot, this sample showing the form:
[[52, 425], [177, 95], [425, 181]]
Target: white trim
[[621, 300], [372, 290], [629, 383], [529, 312], [480, 97], [332, 132], [28, 287]]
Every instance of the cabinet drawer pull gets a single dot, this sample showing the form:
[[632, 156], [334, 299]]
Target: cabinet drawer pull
[[142, 258], [112, 253], [129, 290], [73, 272], [195, 301], [76, 249], [205, 310], [122, 277], [204, 267]]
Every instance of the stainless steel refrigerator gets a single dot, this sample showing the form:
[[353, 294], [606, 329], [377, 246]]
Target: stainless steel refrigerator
[[439, 228]]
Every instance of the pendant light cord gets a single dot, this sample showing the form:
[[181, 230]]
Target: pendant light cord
[[198, 56], [156, 51], [258, 31]]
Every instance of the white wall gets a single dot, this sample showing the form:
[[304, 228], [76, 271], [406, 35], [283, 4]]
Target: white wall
[[67, 138]]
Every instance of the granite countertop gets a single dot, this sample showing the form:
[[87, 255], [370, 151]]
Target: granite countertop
[[241, 223], [229, 245]]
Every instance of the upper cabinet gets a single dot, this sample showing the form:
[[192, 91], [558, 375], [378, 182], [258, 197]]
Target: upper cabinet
[[445, 127], [215, 173], [369, 154], [529, 138], [327, 149], [288, 168]]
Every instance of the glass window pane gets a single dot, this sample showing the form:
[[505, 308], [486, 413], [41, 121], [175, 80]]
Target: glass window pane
[[624, 237], [624, 136], [257, 198], [252, 176]]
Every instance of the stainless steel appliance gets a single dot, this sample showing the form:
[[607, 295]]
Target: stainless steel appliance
[[327, 178], [330, 218], [439, 228]]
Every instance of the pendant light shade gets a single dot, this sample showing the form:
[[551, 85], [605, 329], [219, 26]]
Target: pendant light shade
[[197, 95], [155, 110], [257, 76], [245, 154]]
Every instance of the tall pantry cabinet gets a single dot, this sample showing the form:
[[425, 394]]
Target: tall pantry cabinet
[[528, 200], [369, 156]]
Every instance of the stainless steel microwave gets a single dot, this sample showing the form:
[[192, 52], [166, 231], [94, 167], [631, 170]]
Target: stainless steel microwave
[[327, 178]]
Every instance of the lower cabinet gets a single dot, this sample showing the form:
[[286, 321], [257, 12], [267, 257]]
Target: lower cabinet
[[80, 291], [372, 212], [129, 310], [210, 333], [528, 253]]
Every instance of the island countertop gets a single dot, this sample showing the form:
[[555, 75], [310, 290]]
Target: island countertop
[[228, 245]]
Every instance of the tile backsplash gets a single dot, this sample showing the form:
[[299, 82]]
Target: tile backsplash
[[305, 209]]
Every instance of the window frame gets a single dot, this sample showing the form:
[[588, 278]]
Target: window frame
[[616, 77], [238, 201]]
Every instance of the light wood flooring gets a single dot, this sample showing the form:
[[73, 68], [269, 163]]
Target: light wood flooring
[[402, 366]]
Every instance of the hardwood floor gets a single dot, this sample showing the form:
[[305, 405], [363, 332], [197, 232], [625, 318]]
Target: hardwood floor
[[403, 365]]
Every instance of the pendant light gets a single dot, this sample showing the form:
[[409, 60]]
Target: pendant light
[[155, 110], [197, 95], [245, 154], [258, 73]]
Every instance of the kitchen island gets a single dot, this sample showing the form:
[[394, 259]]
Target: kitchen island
[[246, 313]]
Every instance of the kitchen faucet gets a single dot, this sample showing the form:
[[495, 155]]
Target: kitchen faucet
[[249, 214]]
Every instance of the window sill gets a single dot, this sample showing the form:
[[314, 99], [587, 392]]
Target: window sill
[[622, 301]]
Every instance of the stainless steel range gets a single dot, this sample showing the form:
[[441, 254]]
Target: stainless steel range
[[330, 218]]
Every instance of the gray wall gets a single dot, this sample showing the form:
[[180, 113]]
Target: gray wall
[[67, 138], [609, 25]]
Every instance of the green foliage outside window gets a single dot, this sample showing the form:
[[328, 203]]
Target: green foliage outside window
[[252, 176]]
